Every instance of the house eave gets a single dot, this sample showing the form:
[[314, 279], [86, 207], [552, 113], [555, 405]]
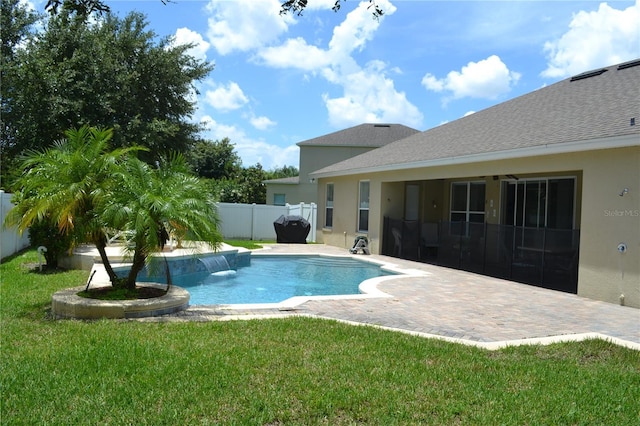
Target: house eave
[[544, 149]]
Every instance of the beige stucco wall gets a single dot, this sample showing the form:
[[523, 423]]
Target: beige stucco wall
[[305, 192], [604, 217], [609, 219], [312, 158]]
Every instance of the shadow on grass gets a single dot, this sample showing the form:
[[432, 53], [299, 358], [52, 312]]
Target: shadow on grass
[[14, 255], [34, 268]]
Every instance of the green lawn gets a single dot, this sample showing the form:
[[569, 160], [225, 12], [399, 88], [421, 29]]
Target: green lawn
[[286, 371], [248, 244]]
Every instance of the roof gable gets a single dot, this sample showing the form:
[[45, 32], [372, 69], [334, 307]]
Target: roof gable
[[364, 135]]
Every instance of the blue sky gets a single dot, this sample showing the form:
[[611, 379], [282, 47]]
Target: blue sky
[[279, 80]]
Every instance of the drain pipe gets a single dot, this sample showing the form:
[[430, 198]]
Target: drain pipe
[[41, 249]]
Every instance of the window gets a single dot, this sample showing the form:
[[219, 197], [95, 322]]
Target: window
[[363, 207], [278, 199], [328, 212], [467, 202], [539, 203]]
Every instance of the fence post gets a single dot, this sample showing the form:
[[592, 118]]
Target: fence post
[[253, 221], [314, 221]]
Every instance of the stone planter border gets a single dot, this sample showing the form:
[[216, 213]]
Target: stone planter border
[[67, 304]]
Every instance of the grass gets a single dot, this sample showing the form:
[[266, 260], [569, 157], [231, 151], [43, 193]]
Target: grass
[[248, 244], [286, 371]]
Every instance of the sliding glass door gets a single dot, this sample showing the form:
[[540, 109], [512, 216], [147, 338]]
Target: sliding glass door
[[540, 203]]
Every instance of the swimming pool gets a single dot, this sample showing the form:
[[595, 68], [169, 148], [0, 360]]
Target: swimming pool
[[273, 279]]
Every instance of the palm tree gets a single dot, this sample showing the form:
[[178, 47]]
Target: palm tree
[[67, 185], [150, 201], [85, 189]]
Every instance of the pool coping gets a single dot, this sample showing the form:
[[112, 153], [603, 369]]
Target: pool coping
[[368, 288]]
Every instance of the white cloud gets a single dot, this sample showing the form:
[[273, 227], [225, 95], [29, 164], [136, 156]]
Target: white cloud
[[252, 151], [352, 34], [245, 24], [296, 53], [369, 96], [595, 39], [186, 36], [262, 122], [320, 4], [432, 83], [358, 28], [226, 98], [485, 79]]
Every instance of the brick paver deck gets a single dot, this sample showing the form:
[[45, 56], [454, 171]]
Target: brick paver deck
[[456, 305]]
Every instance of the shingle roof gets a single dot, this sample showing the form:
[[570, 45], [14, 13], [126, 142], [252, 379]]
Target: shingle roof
[[285, 181], [363, 135], [586, 107]]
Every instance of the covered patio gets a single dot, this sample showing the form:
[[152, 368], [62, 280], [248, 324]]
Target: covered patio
[[538, 256], [522, 228]]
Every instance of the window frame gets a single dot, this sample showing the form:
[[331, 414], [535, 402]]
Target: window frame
[[467, 211], [361, 209], [284, 199], [328, 207]]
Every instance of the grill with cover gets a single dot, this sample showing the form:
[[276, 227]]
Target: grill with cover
[[292, 229]]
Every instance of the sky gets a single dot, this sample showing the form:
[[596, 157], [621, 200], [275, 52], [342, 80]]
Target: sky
[[279, 80]]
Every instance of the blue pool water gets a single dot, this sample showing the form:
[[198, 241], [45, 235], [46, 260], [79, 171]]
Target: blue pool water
[[272, 279]]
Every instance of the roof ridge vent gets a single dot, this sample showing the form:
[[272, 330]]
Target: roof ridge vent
[[382, 125], [629, 64], [588, 74]]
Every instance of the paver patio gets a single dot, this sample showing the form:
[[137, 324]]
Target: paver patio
[[456, 305]]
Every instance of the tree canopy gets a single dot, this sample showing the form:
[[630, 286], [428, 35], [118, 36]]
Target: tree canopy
[[103, 74], [62, 189], [85, 190], [215, 160], [74, 71]]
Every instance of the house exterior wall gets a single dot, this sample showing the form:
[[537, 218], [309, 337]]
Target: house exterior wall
[[312, 158], [611, 219], [304, 192], [605, 218]]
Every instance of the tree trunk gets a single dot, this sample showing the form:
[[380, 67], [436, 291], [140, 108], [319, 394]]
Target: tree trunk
[[137, 265], [101, 245]]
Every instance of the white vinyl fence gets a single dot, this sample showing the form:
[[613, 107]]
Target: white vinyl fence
[[237, 221], [10, 240], [255, 221]]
